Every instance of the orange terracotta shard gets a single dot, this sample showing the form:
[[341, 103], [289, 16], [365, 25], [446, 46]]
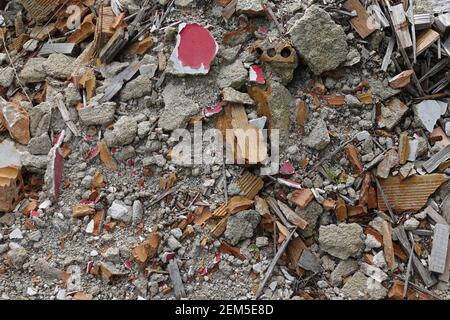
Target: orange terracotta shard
[[401, 80], [301, 197], [11, 188], [410, 194], [250, 185], [353, 156], [81, 210], [238, 203], [16, 121], [106, 157]]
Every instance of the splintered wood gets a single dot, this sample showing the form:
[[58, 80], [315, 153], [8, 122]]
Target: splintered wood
[[245, 143], [361, 23], [401, 25], [410, 194]]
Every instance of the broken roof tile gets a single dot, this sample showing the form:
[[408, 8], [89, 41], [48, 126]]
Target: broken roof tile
[[410, 194]]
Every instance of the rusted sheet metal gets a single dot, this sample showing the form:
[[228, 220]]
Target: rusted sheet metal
[[40, 9], [410, 194]]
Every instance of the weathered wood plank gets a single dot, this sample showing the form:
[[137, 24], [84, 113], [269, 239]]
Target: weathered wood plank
[[424, 274], [439, 251], [64, 48]]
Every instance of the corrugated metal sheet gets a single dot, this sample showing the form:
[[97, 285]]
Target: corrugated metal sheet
[[40, 9]]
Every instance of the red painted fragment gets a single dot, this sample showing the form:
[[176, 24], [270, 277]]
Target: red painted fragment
[[287, 168], [195, 49], [208, 112], [257, 74]]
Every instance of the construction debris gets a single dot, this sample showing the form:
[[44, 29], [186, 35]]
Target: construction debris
[[291, 150]]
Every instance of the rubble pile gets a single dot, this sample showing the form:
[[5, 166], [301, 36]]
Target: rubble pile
[[119, 178]]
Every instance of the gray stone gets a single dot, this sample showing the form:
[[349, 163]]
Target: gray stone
[[262, 241], [318, 138], [138, 212], [112, 255], [309, 261], [319, 40], [137, 88], [16, 234], [241, 226], [59, 66], [40, 145], [125, 153], [230, 54], [352, 101], [362, 287], [34, 163], [381, 90], [411, 224], [123, 132], [341, 241], [249, 7], [17, 257], [6, 77], [95, 114], [35, 236], [72, 95], [120, 212], [184, 3], [47, 271], [279, 102], [310, 214], [144, 128], [233, 75], [178, 108], [33, 71], [173, 243], [40, 117], [232, 95]]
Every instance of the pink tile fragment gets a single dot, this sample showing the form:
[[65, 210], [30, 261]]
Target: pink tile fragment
[[195, 49], [287, 168], [257, 74]]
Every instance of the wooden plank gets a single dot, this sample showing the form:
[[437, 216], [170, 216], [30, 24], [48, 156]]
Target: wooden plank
[[442, 22], [434, 215], [426, 39], [175, 277], [438, 255], [64, 48], [388, 54], [361, 22], [446, 275], [388, 245], [118, 81], [423, 21], [433, 163], [401, 25], [424, 274]]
